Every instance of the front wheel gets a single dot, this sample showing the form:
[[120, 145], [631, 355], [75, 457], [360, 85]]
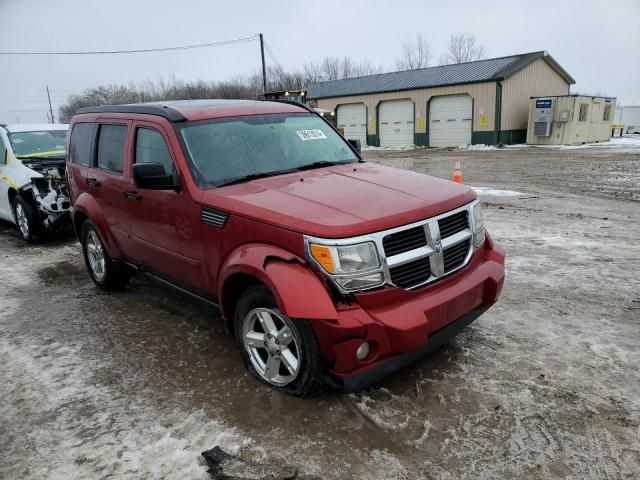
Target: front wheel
[[280, 351], [26, 219], [104, 272]]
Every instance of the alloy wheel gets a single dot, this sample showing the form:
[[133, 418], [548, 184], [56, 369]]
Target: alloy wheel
[[95, 255], [22, 220], [273, 348]]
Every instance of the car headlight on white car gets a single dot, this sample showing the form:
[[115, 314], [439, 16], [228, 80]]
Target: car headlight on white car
[[352, 267], [478, 225]]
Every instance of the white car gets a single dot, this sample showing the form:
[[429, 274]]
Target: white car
[[33, 188]]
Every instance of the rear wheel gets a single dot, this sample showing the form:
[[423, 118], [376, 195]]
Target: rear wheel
[[26, 219], [104, 272], [280, 351]]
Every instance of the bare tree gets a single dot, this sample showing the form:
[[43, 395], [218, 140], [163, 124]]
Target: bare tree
[[415, 54], [312, 72], [331, 68], [463, 47]]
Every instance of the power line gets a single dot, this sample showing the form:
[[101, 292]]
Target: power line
[[272, 56], [141, 50]]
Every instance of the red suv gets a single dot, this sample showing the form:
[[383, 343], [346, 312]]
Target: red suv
[[329, 271]]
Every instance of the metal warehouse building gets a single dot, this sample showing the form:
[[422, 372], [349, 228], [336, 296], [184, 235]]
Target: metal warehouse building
[[485, 101]]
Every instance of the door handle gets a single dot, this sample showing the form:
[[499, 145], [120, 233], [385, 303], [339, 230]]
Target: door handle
[[132, 195], [94, 182]]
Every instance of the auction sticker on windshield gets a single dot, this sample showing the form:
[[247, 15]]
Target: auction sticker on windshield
[[311, 134]]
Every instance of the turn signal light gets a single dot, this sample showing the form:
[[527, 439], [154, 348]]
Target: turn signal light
[[322, 254]]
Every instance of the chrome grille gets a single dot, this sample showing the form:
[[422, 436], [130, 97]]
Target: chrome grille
[[423, 252], [404, 241], [419, 253], [453, 224], [411, 274], [455, 256]]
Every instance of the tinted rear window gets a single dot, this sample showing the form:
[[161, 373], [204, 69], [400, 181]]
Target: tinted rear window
[[81, 143], [111, 141]]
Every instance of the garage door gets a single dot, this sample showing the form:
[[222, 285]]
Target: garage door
[[450, 121], [353, 119], [396, 123]]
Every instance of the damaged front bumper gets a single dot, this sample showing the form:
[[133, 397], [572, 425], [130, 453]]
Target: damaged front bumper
[[49, 195], [401, 326]]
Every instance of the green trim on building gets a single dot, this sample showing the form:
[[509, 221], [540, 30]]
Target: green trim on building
[[486, 138], [498, 110], [420, 139], [373, 140], [510, 137]]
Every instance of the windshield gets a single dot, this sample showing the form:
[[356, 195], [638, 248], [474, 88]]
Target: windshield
[[39, 144], [241, 148]]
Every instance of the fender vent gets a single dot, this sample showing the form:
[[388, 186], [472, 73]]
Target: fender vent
[[213, 218]]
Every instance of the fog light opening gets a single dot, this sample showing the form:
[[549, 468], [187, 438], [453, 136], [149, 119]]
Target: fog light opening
[[363, 351]]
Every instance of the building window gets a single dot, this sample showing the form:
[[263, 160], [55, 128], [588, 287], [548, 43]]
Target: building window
[[607, 113], [584, 108]]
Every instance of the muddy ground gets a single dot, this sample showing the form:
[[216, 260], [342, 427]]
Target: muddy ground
[[544, 385]]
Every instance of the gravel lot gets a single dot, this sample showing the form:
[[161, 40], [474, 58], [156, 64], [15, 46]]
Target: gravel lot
[[544, 385]]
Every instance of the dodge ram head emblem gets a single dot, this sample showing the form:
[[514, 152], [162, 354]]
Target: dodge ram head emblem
[[438, 247]]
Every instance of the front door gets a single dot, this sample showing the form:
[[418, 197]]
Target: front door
[[165, 224]]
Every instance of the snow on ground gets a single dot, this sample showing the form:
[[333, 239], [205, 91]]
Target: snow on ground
[[482, 191], [626, 143], [79, 428], [479, 146], [392, 148]]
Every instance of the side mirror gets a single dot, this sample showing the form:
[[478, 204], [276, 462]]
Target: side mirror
[[355, 143], [152, 176]]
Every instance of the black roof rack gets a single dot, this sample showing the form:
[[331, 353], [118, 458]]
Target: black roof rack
[[290, 102], [165, 111]]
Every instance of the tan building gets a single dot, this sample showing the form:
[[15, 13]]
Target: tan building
[[570, 119], [486, 101]]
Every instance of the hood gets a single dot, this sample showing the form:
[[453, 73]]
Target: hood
[[341, 201]]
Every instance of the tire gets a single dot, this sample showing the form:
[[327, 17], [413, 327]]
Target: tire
[[26, 219], [104, 272], [254, 305]]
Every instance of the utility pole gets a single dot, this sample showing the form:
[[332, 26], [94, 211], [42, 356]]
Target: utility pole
[[264, 69], [50, 108]]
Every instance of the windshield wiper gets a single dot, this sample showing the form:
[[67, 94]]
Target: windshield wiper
[[320, 164], [255, 176]]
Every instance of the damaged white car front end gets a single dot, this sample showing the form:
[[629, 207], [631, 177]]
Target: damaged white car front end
[[33, 188]]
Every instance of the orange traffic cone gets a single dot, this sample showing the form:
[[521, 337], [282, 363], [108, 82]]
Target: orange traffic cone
[[457, 171]]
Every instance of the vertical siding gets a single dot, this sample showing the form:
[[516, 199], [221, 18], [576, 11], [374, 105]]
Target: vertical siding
[[538, 79], [593, 129], [484, 101]]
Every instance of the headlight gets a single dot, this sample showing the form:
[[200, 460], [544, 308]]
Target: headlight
[[478, 225], [352, 267]]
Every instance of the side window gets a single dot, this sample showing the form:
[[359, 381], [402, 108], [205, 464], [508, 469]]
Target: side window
[[81, 143], [151, 148], [111, 142], [606, 117]]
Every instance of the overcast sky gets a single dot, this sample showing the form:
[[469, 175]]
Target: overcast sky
[[597, 42]]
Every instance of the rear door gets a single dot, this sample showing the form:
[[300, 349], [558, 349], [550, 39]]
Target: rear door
[[165, 224], [80, 154], [107, 178]]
